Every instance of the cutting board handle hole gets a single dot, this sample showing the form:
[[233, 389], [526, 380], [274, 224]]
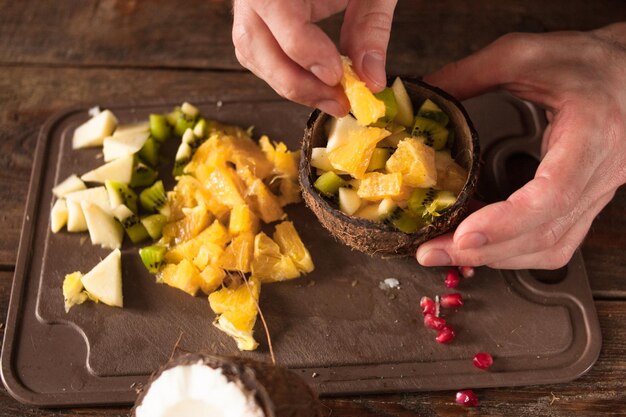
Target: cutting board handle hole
[[549, 276]]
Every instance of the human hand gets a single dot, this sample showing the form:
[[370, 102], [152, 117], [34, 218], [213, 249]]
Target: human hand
[[580, 79], [279, 42]]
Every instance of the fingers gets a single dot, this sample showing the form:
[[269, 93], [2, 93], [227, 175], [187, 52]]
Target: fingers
[[365, 36], [300, 39], [547, 247], [500, 63], [258, 50]]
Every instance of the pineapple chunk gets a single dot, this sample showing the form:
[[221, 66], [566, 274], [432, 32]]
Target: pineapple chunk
[[354, 156], [184, 276], [377, 186], [237, 310], [73, 293], [415, 161]]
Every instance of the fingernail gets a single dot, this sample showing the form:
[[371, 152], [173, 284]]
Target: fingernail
[[374, 68], [325, 75], [472, 240], [332, 107], [434, 257]]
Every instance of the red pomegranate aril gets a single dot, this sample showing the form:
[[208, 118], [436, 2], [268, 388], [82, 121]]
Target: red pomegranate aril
[[446, 335], [452, 300], [467, 398], [433, 322], [427, 305], [483, 360], [452, 278], [467, 271]]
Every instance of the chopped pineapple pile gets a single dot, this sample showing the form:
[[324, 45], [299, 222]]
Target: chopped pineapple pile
[[384, 164], [229, 186]]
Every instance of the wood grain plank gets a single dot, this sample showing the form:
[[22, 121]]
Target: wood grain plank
[[163, 33]]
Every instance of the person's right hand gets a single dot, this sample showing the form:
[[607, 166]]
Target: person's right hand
[[279, 42]]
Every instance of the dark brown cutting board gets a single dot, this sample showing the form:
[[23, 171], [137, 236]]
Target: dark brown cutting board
[[335, 327]]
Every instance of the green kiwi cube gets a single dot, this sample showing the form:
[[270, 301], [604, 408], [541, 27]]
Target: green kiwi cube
[[432, 111], [154, 199], [183, 156], [407, 223], [200, 129], [379, 158], [182, 124], [419, 199], [434, 134], [143, 175], [131, 223], [121, 194], [442, 201], [329, 183], [159, 127], [149, 152], [153, 257], [154, 225], [391, 106]]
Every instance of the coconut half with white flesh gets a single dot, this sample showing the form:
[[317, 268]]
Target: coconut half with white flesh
[[203, 385]]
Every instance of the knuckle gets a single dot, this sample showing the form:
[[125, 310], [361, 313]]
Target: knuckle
[[377, 20], [525, 46], [290, 92], [560, 256]]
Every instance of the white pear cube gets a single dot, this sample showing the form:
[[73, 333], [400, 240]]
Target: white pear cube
[[68, 185], [58, 215], [405, 107], [94, 130], [386, 206], [118, 146], [95, 195], [75, 218], [117, 170], [104, 230], [319, 159], [104, 281], [349, 201], [339, 131], [132, 128]]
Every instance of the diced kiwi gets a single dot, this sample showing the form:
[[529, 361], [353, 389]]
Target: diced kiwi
[[183, 156], [120, 193], [200, 129], [386, 208], [406, 222], [182, 124], [419, 199], [153, 257], [154, 199], [432, 111], [143, 175], [159, 127], [391, 107], [329, 183], [379, 158], [433, 133], [154, 225], [131, 224], [442, 201], [190, 138], [190, 110], [149, 153]]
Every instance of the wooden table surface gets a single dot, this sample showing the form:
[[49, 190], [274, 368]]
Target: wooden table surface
[[56, 54]]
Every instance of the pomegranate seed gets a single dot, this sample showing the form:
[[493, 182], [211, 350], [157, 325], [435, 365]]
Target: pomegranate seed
[[446, 335], [452, 278], [453, 300], [433, 322], [466, 271], [428, 305], [467, 398], [483, 360]]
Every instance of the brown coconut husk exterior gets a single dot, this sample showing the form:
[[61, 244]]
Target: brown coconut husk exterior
[[379, 238], [278, 391]]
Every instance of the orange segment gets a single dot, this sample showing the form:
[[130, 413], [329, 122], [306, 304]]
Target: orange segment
[[269, 264], [365, 107], [415, 161], [291, 245], [378, 186], [354, 156], [238, 255], [183, 276]]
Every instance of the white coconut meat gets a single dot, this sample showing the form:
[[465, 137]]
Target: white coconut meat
[[197, 390]]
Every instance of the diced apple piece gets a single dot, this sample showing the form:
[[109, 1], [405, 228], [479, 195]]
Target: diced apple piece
[[58, 215], [132, 128], [75, 218], [104, 230], [349, 201], [120, 170], [104, 281], [339, 132], [94, 130], [319, 159], [118, 146], [405, 107], [95, 195], [386, 207], [68, 185], [368, 212]]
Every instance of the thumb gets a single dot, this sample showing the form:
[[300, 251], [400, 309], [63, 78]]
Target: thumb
[[365, 36], [498, 64]]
